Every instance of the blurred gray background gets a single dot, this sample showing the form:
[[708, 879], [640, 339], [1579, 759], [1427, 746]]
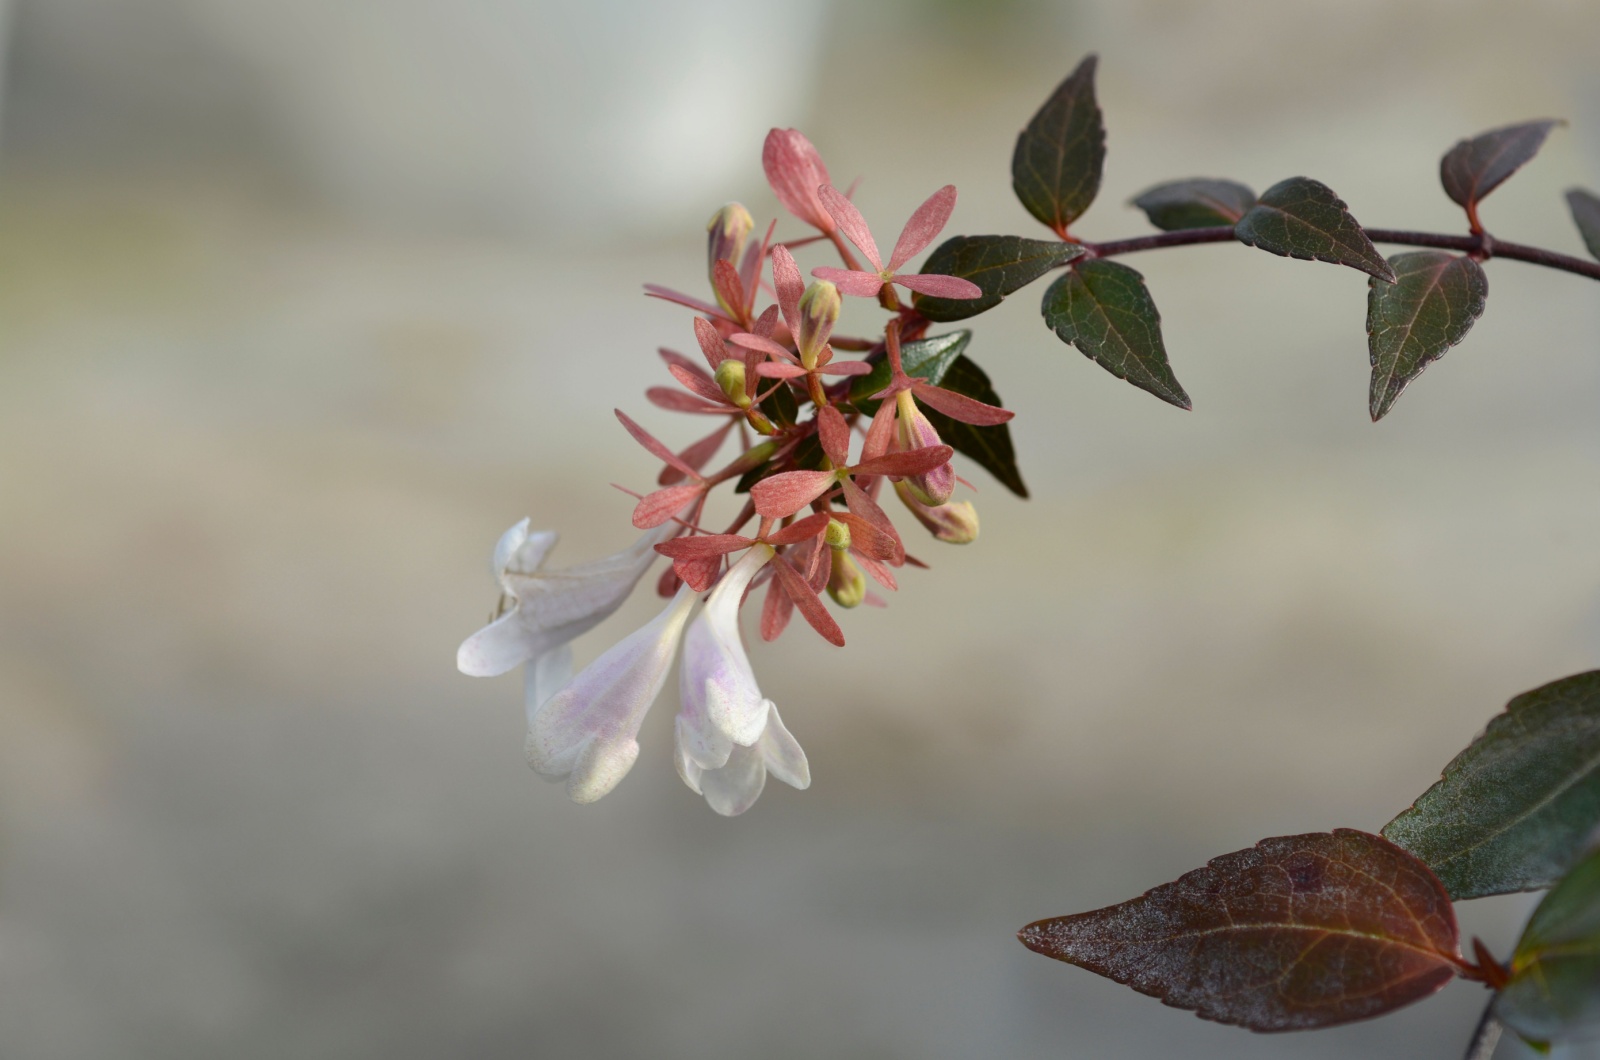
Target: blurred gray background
[[303, 303]]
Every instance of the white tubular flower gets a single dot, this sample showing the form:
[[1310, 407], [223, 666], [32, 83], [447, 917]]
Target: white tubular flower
[[550, 608], [729, 735], [588, 731]]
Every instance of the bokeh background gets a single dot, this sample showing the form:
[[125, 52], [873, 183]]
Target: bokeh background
[[303, 303]]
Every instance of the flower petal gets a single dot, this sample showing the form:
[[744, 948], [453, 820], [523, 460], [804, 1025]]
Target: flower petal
[[519, 552], [834, 434], [850, 222], [657, 508], [544, 676], [734, 788], [782, 754], [927, 221], [497, 648], [589, 728]]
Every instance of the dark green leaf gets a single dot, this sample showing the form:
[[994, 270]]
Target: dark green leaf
[[1103, 308], [1296, 932], [1435, 300], [927, 359], [1197, 203], [1473, 168], [1554, 991], [780, 406], [999, 265], [807, 457], [1303, 218], [1055, 169], [989, 447], [1585, 207], [1514, 809]]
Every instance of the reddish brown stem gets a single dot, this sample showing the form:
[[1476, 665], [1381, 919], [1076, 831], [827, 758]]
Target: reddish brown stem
[[1477, 245]]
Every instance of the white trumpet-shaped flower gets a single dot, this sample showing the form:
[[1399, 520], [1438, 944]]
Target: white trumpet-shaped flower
[[729, 736], [588, 730], [550, 607]]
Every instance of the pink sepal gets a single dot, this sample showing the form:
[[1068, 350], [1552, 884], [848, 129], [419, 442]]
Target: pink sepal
[[659, 451], [939, 285], [808, 603], [667, 294], [757, 342], [927, 221], [846, 368], [864, 506], [656, 508], [851, 281], [881, 574], [850, 222], [789, 284], [960, 406], [800, 530], [780, 496], [710, 342], [698, 383], [910, 462], [702, 545], [775, 611], [779, 370], [834, 434], [677, 401]]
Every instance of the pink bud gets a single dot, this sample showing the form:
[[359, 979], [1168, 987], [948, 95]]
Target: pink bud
[[819, 311], [913, 431], [726, 235], [954, 522]]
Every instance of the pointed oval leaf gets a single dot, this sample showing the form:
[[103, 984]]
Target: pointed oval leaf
[[999, 265], [1513, 810], [1302, 218], [926, 359], [1294, 933], [1473, 168], [1585, 207], [1055, 169], [1435, 299], [1197, 203], [1103, 308], [1554, 991]]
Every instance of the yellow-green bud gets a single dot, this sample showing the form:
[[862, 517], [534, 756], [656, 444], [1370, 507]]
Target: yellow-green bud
[[726, 235], [754, 457], [837, 535], [730, 377], [846, 584], [819, 311], [955, 522]]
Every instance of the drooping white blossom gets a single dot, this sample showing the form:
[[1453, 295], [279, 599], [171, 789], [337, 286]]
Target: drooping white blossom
[[550, 607], [729, 736], [588, 730]]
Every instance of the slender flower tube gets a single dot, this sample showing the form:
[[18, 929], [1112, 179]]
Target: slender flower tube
[[729, 735], [550, 608], [588, 731]]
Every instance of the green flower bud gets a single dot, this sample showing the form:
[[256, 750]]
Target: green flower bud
[[837, 535], [846, 584], [819, 311], [730, 377]]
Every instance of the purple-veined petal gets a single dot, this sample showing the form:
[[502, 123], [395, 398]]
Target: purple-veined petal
[[587, 731]]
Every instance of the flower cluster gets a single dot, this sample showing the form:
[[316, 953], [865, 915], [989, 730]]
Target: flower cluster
[[781, 382]]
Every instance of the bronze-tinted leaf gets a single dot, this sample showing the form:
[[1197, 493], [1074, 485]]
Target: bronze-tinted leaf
[[1435, 300], [1197, 203], [1294, 933], [1473, 168], [1585, 207], [1055, 169], [1303, 218], [999, 265], [1103, 308]]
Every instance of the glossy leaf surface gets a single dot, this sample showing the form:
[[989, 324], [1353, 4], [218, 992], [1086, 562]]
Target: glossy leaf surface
[[1055, 169], [999, 265], [1303, 218], [1473, 168], [1585, 207], [1554, 990], [1103, 308], [1197, 203], [1294, 933], [1436, 298], [1515, 808]]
